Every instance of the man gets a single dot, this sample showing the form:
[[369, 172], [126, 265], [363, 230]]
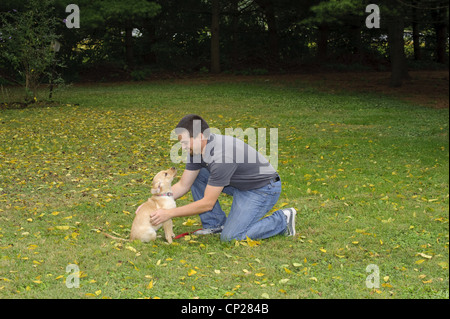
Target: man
[[225, 164]]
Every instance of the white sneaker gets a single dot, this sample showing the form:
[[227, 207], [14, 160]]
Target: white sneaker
[[290, 218], [209, 231]]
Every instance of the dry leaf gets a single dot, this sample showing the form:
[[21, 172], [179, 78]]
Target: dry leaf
[[191, 272]]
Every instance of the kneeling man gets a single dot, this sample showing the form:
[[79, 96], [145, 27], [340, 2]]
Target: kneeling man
[[217, 164]]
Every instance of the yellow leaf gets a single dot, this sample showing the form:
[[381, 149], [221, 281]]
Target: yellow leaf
[[424, 255], [259, 274], [287, 271], [443, 264], [131, 249], [98, 292], [252, 243], [189, 222], [150, 285], [428, 281], [89, 295], [323, 250], [420, 261], [191, 272], [313, 278], [62, 227]]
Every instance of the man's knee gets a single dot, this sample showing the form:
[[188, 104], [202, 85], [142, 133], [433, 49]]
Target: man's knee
[[228, 235]]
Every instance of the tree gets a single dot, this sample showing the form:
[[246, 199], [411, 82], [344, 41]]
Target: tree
[[268, 8], [394, 17], [440, 15], [215, 39], [26, 42]]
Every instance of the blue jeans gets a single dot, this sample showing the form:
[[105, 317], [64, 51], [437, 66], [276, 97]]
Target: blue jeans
[[247, 211]]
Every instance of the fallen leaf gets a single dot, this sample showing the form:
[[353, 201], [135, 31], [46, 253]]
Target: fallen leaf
[[131, 248], [191, 272], [424, 255], [62, 227]]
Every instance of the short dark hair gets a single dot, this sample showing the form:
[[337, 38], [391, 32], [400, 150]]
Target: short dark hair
[[190, 121]]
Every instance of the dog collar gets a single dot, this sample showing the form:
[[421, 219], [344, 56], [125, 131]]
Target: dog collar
[[168, 194]]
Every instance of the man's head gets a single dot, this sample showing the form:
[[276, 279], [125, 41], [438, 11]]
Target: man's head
[[193, 133]]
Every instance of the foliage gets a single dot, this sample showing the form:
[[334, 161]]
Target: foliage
[[175, 35], [367, 173], [26, 42]]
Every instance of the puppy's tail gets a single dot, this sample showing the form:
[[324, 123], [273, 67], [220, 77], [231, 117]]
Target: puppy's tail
[[114, 237], [108, 235]]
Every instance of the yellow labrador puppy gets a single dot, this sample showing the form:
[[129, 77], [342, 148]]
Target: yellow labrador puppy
[[142, 229]]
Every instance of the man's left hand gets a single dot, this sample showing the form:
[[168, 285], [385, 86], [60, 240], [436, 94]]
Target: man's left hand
[[159, 216]]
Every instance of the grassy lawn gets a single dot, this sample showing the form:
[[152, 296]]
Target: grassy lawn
[[367, 173]]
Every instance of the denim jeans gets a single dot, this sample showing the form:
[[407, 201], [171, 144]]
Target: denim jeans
[[247, 211]]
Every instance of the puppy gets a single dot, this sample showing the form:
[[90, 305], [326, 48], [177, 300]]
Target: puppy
[[142, 229]]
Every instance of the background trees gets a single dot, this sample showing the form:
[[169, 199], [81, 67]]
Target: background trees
[[134, 39]]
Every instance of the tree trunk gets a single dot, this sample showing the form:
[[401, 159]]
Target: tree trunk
[[397, 51], [215, 39], [441, 35], [274, 47], [322, 43], [235, 35], [416, 34], [355, 32], [129, 47]]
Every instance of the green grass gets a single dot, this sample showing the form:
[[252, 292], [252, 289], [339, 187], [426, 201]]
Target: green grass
[[368, 175]]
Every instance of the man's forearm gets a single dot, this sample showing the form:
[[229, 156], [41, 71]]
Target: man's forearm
[[191, 209], [179, 191]]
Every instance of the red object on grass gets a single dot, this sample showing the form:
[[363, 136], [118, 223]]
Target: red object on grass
[[185, 234]]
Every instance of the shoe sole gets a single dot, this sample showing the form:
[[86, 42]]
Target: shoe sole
[[291, 222]]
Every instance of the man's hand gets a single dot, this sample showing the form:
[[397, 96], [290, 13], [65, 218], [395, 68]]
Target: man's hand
[[159, 216]]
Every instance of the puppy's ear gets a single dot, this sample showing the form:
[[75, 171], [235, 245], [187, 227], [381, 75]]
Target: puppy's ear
[[156, 189]]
